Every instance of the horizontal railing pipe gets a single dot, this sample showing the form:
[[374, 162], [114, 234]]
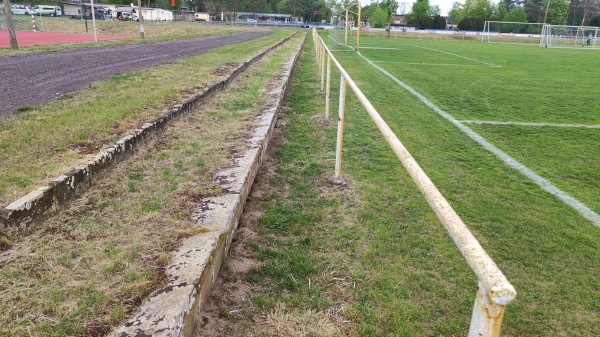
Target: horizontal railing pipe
[[495, 285]]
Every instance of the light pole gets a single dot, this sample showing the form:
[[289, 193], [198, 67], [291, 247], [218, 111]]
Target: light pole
[[546, 14], [182, 9], [141, 19]]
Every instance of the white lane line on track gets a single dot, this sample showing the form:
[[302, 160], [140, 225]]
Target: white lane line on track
[[544, 184], [532, 124]]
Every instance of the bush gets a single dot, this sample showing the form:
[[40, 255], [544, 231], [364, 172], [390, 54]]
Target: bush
[[438, 22], [471, 24], [379, 18]]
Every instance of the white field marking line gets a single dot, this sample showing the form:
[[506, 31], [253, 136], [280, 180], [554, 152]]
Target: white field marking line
[[382, 48], [533, 124], [434, 64], [464, 57], [508, 160]]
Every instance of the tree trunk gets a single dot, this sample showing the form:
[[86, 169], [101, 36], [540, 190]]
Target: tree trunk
[[11, 25]]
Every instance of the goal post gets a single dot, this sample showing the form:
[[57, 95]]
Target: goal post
[[341, 34], [512, 32], [559, 36]]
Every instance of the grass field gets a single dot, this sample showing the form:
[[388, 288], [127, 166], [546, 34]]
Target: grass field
[[547, 106], [485, 85]]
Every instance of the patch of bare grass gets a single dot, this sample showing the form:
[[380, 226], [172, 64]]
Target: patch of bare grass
[[88, 268], [297, 323]]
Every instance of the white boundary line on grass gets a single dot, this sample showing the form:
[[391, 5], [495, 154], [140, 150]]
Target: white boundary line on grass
[[434, 64], [508, 160], [382, 48], [464, 57], [532, 124]]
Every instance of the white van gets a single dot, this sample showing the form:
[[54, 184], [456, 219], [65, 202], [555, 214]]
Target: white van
[[47, 10], [20, 9]]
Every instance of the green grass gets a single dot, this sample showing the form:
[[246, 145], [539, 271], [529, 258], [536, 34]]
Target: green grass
[[88, 268], [381, 258], [43, 143], [546, 249], [531, 84], [371, 250], [566, 156], [522, 89]]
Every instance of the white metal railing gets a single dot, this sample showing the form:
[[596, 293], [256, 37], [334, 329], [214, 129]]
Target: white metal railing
[[494, 290]]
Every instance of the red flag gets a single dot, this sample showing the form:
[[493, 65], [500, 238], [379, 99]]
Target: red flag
[[173, 3]]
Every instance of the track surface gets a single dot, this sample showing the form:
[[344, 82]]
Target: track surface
[[33, 79], [30, 38]]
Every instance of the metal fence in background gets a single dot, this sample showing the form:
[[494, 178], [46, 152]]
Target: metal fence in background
[[24, 22]]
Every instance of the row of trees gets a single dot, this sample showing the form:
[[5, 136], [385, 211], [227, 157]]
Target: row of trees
[[466, 14], [471, 14], [309, 10], [426, 16]]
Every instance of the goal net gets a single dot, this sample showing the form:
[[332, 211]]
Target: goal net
[[554, 36], [512, 32], [339, 38]]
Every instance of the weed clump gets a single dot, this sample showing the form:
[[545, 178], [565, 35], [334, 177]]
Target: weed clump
[[5, 243]]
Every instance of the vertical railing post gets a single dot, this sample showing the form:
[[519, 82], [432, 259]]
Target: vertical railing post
[[323, 69], [320, 60], [317, 51], [346, 30], [340, 131], [328, 88], [486, 320], [316, 44], [358, 31]]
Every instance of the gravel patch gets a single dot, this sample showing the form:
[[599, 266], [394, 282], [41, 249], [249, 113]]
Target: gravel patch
[[33, 79]]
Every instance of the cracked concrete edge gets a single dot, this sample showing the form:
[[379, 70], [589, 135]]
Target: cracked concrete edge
[[174, 309], [22, 215]]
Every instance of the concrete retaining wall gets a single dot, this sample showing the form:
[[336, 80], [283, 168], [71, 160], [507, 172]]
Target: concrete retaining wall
[[25, 213], [174, 309]]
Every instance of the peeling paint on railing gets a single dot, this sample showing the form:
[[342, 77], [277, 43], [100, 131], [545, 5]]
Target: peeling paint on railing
[[494, 290]]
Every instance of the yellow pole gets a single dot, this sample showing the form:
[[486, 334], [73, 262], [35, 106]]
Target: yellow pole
[[346, 38], [340, 130], [358, 31], [328, 89], [323, 69]]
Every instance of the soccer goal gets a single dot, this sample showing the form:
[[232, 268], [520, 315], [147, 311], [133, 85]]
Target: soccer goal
[[339, 38], [555, 36], [512, 32]]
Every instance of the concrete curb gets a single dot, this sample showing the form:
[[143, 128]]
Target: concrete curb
[[22, 215], [173, 310]]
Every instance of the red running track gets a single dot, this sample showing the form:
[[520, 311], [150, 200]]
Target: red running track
[[29, 38]]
